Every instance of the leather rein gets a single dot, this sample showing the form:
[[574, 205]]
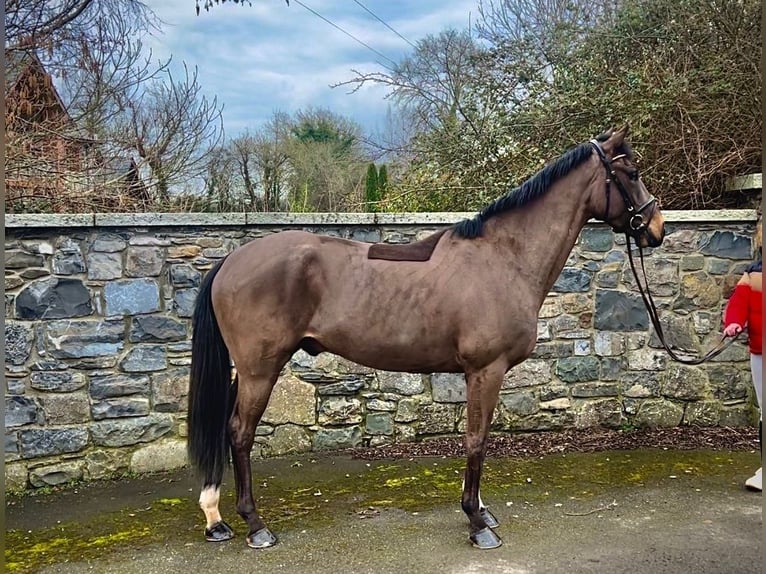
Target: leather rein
[[638, 224], [724, 342]]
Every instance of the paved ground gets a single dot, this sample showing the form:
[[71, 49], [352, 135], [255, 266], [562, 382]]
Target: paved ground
[[648, 511]]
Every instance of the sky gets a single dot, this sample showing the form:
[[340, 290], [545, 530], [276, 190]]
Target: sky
[[268, 56]]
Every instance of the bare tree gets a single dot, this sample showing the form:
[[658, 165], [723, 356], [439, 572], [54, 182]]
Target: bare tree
[[241, 151], [439, 90], [45, 25], [34, 24], [100, 74], [173, 127], [220, 186], [432, 84], [257, 163], [68, 66], [312, 161], [94, 110], [546, 28], [259, 159]]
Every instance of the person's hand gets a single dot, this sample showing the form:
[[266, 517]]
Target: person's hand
[[732, 329]]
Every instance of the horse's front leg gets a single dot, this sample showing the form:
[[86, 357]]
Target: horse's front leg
[[489, 518], [483, 387]]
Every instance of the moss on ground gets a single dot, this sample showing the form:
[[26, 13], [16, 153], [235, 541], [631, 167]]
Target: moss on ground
[[314, 493]]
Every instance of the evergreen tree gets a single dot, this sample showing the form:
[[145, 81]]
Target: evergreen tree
[[382, 181], [372, 189]]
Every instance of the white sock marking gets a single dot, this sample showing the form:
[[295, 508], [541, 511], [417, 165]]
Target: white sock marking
[[208, 502]]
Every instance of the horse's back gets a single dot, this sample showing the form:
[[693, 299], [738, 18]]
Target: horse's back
[[279, 274], [267, 256]]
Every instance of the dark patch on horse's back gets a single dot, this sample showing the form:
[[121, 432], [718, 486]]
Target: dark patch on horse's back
[[416, 251]]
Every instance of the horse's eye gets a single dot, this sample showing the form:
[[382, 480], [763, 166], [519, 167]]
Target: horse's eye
[[633, 175]]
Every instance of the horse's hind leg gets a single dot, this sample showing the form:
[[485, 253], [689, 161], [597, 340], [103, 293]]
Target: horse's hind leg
[[252, 399], [216, 530], [483, 389]]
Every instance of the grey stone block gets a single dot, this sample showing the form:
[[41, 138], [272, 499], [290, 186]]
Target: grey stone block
[[333, 439], [156, 328], [577, 369], [118, 385], [131, 297], [618, 311], [448, 388], [119, 407], [104, 266], [379, 424], [48, 442], [183, 301], [75, 339], [572, 280], [184, 275], [144, 261], [145, 358], [68, 259], [53, 298], [130, 431], [19, 338], [20, 411], [727, 244], [59, 382]]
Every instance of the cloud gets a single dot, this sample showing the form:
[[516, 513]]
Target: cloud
[[267, 57]]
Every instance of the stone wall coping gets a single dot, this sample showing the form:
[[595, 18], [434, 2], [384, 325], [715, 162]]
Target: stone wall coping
[[69, 220], [49, 220], [168, 219], [750, 182]]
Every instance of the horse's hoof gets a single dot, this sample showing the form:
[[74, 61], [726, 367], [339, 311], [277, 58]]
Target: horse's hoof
[[219, 532], [262, 538], [486, 539], [489, 518]]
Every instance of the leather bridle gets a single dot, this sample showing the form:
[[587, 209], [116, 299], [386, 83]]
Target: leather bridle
[[638, 222]]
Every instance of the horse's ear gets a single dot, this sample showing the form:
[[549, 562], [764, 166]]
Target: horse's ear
[[615, 139]]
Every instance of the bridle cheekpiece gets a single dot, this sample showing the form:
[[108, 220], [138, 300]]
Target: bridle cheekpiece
[[638, 222]]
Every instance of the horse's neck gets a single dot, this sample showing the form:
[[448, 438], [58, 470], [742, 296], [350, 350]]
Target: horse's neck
[[540, 236]]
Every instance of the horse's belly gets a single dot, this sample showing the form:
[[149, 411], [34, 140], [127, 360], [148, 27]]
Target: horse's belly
[[409, 356]]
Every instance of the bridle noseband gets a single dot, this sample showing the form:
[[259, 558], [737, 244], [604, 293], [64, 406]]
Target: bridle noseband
[[638, 222]]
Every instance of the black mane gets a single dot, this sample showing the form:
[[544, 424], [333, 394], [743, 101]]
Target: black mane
[[531, 189]]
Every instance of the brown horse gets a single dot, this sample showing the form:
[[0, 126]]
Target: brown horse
[[470, 307]]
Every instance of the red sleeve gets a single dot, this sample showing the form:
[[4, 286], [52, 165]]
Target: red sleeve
[[737, 307]]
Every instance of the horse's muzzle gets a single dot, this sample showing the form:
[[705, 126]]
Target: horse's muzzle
[[654, 241], [652, 228]]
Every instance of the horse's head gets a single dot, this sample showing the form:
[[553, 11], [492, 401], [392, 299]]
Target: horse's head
[[633, 210]]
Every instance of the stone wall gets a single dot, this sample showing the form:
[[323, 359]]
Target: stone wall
[[98, 323]]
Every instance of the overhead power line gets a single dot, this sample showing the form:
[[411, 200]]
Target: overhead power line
[[347, 33], [379, 19]]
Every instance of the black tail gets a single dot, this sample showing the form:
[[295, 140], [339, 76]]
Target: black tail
[[210, 390]]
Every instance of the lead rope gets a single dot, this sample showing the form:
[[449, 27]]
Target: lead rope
[[722, 345]]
